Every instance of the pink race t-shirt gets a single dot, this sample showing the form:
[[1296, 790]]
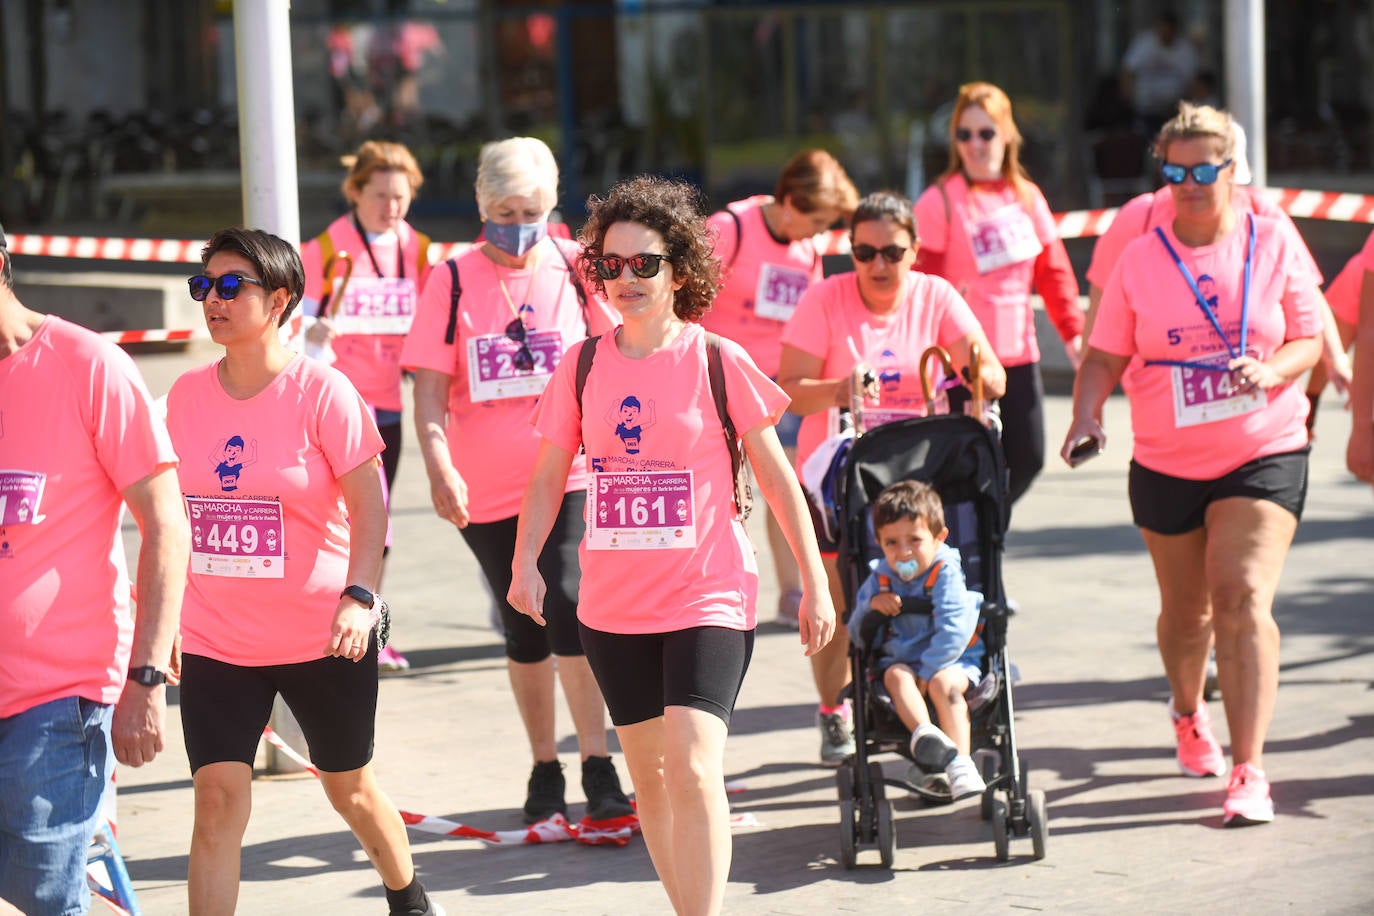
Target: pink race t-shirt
[[1141, 214], [269, 532], [832, 323], [77, 427], [990, 241], [763, 279], [1343, 295], [681, 557], [489, 434], [1189, 423], [372, 303]]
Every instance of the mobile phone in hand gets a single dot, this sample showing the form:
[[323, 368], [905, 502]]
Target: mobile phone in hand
[[1084, 450]]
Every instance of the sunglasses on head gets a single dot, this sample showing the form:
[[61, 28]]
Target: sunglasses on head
[[1203, 172], [227, 285], [523, 360], [643, 266], [891, 253], [986, 134]]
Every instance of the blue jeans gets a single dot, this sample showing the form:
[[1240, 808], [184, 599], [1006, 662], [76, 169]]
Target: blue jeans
[[55, 762]]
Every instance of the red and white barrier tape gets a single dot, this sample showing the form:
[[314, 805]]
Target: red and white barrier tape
[[1330, 205]]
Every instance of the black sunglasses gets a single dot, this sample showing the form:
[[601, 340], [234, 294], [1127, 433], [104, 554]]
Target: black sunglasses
[[643, 266], [1203, 172], [227, 285], [523, 361], [891, 253], [986, 134]]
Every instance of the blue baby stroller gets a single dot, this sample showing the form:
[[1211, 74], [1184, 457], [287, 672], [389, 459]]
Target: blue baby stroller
[[962, 459]]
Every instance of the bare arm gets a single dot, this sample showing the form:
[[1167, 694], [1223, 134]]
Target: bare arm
[[1333, 351], [447, 489], [990, 368], [1095, 380], [362, 493], [139, 726], [539, 508], [779, 486], [799, 374]]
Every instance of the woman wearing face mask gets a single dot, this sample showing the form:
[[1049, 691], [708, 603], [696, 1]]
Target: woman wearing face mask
[[879, 320], [986, 228], [359, 325], [768, 254], [492, 326]]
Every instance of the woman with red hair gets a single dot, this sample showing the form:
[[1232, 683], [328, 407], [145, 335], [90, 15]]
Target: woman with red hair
[[987, 229]]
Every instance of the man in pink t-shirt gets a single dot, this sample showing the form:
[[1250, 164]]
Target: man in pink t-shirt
[[81, 681]]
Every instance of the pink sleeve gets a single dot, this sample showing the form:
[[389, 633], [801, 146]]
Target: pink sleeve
[[750, 396], [131, 442], [426, 345], [1041, 217], [557, 416], [1114, 329], [721, 227], [345, 430], [1303, 311], [807, 329], [314, 273], [932, 223], [1367, 253], [1343, 295], [1129, 224]]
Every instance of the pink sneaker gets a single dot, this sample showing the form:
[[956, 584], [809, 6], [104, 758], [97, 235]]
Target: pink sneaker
[[390, 660], [1247, 798], [1199, 754]]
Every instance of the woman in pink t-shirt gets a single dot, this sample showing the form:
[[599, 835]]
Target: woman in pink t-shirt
[[1224, 315], [668, 575], [362, 323], [769, 255], [287, 526], [876, 321], [493, 325], [986, 228]]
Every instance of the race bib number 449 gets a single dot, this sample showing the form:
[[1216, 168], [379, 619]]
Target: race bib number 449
[[649, 510], [241, 538]]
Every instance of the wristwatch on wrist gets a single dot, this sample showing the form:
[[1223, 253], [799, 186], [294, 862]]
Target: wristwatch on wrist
[[147, 675], [360, 595]]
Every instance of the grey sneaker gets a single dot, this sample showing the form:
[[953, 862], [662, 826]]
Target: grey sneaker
[[837, 739], [931, 748], [964, 779]]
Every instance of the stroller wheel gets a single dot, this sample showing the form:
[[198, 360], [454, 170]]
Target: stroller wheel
[[848, 847], [985, 804], [844, 782], [1039, 821], [887, 833], [1001, 831]]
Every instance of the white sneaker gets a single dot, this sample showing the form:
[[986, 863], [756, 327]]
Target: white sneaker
[[964, 779]]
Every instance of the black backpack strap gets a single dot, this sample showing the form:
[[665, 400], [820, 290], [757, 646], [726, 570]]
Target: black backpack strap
[[584, 366], [577, 286], [457, 290], [739, 240], [715, 374]]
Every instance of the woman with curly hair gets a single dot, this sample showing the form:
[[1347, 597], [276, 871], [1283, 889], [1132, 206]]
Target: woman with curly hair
[[663, 514]]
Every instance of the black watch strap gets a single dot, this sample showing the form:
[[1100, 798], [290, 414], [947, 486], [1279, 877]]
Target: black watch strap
[[360, 595], [147, 675]]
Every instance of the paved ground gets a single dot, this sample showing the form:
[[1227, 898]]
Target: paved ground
[[1127, 832]]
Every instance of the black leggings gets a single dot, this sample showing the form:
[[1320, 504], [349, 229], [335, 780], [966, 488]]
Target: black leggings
[[1023, 427], [391, 456], [493, 543]]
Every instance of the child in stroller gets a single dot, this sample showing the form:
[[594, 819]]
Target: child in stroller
[[932, 650]]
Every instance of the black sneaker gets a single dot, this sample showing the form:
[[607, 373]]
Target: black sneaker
[[544, 794], [601, 785]]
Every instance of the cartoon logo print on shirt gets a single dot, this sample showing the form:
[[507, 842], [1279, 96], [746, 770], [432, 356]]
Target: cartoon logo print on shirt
[[630, 418], [197, 536], [24, 509], [1208, 287], [889, 374], [229, 460]]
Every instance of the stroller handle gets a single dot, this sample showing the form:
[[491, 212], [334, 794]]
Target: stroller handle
[[335, 284], [940, 353], [975, 369], [975, 366]]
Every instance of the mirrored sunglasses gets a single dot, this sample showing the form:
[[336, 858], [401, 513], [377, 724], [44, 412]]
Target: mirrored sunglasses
[[227, 285], [523, 361], [986, 134], [1203, 172], [891, 253], [643, 266]]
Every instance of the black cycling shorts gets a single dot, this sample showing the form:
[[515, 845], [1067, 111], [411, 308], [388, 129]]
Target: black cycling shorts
[[1175, 505]]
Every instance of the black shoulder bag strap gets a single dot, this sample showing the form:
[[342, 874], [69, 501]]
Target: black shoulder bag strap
[[452, 330]]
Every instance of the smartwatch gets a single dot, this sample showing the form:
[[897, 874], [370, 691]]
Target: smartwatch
[[148, 676], [360, 595]]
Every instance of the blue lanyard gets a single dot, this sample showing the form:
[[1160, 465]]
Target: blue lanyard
[[1234, 352]]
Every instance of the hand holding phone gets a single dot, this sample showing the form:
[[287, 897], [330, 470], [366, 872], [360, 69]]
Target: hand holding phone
[[1083, 450]]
